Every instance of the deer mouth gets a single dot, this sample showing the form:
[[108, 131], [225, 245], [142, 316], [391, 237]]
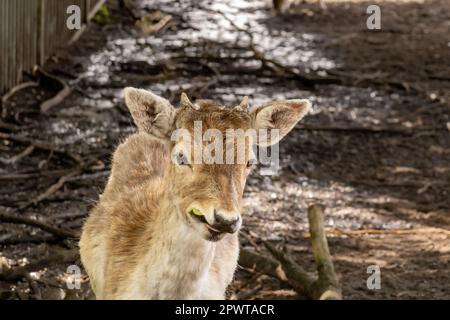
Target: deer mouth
[[214, 233], [200, 218]]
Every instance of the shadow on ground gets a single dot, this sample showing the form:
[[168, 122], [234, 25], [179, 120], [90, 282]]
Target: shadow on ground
[[375, 151]]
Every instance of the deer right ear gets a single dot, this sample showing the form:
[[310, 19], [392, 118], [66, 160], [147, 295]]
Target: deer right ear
[[151, 113]]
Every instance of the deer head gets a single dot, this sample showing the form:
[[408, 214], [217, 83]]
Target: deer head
[[207, 186]]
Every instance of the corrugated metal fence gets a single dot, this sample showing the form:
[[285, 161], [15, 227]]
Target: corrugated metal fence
[[31, 30]]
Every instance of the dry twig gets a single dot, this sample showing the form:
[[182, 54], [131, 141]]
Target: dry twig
[[53, 188], [325, 287], [362, 232], [61, 233], [60, 96], [13, 90], [16, 273], [18, 156], [42, 145]]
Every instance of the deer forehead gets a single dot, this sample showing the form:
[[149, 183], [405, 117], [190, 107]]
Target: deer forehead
[[212, 116]]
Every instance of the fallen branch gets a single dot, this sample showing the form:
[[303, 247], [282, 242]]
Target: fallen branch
[[348, 232], [59, 97], [60, 183], [400, 184], [327, 285], [52, 189], [297, 277], [17, 88], [42, 145], [285, 269], [34, 174], [8, 273], [248, 282], [247, 294], [13, 90], [361, 80], [18, 156], [8, 126], [369, 129], [254, 261], [61, 233], [29, 240]]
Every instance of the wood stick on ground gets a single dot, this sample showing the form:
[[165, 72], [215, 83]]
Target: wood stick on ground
[[52, 189], [58, 256], [252, 280], [285, 270], [34, 174], [359, 232], [373, 129], [13, 240], [254, 261], [8, 126], [297, 277], [327, 286], [244, 295], [15, 89], [60, 96], [18, 156], [60, 183], [42, 145], [61, 233]]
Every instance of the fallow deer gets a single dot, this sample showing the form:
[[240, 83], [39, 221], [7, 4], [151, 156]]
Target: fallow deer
[[166, 229]]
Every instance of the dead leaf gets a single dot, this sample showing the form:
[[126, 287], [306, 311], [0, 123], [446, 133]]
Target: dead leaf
[[153, 22], [400, 169]]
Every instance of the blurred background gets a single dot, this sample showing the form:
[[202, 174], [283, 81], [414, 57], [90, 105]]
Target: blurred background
[[375, 150]]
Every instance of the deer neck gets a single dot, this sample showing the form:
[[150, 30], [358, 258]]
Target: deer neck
[[180, 258]]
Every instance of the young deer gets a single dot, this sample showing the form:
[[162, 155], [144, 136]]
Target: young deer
[[166, 229]]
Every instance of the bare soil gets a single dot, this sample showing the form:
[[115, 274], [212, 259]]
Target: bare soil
[[375, 150]]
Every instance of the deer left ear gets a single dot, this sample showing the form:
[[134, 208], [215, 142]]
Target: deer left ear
[[282, 115], [151, 113]]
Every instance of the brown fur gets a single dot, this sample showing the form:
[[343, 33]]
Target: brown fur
[[139, 242]]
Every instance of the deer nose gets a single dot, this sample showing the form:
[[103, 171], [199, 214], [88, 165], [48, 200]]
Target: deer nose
[[226, 223]]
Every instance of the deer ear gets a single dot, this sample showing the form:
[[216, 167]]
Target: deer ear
[[151, 113], [281, 115]]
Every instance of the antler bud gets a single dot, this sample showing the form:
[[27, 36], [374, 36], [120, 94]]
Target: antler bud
[[186, 103], [243, 106]]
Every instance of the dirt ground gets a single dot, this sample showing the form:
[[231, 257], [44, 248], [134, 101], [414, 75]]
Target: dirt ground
[[375, 150]]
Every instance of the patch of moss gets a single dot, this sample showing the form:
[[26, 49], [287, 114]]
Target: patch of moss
[[103, 16]]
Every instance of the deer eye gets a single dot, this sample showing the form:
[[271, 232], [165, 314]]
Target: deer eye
[[182, 160]]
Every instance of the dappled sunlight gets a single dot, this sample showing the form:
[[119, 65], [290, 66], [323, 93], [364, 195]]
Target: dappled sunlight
[[373, 150]]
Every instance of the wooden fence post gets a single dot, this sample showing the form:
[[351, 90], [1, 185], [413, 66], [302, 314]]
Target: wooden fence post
[[41, 31]]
